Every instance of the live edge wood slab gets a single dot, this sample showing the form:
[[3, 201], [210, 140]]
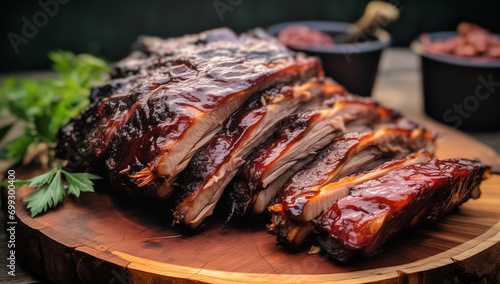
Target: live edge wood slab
[[100, 238]]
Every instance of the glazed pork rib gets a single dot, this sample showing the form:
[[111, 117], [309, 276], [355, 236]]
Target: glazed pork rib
[[146, 64], [347, 154], [212, 167], [314, 203], [211, 113], [378, 208], [294, 144], [353, 152], [147, 135], [293, 232]]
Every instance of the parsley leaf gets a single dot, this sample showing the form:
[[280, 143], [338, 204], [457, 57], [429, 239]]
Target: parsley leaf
[[42, 179], [51, 190], [80, 182], [46, 104], [39, 201], [43, 106]]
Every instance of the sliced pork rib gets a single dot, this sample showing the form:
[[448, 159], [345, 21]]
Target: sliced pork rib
[[292, 233], [146, 64], [299, 137], [212, 167], [347, 154], [149, 133], [380, 207]]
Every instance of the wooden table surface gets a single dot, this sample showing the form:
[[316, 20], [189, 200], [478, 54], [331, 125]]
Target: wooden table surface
[[398, 85]]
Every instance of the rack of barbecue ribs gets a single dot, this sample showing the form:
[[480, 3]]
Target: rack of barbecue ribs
[[243, 123]]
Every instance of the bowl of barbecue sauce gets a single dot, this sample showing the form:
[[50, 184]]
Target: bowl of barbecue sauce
[[354, 65], [461, 77]]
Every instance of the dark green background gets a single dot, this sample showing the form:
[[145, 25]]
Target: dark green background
[[109, 27]]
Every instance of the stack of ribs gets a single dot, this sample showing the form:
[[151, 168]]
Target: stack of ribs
[[243, 123]]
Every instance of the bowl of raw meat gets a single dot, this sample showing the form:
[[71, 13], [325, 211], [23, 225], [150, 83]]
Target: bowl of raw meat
[[354, 65], [461, 77]]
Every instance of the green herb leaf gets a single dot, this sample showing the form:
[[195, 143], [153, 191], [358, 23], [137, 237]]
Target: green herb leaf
[[51, 189], [16, 183], [80, 182], [56, 189], [43, 179], [39, 201], [47, 104], [47, 196], [44, 105]]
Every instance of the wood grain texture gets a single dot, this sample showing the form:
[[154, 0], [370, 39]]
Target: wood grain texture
[[100, 238]]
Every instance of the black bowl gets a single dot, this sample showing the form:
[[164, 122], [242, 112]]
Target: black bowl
[[352, 65], [461, 92]]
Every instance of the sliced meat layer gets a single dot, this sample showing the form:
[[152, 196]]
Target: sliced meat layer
[[318, 200], [293, 233], [350, 153], [347, 154], [380, 207], [212, 167], [299, 137]]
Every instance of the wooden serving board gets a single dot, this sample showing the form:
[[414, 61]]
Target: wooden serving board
[[103, 239]]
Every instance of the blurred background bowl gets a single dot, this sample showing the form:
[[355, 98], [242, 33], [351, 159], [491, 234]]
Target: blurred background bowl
[[353, 65], [459, 91]]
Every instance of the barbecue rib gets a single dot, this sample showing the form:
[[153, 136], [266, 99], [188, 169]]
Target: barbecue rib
[[148, 134], [349, 153], [380, 207], [140, 68], [293, 233], [294, 144], [212, 167], [352, 152]]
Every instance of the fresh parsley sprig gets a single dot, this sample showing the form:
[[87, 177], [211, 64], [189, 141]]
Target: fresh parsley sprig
[[42, 106], [51, 189]]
